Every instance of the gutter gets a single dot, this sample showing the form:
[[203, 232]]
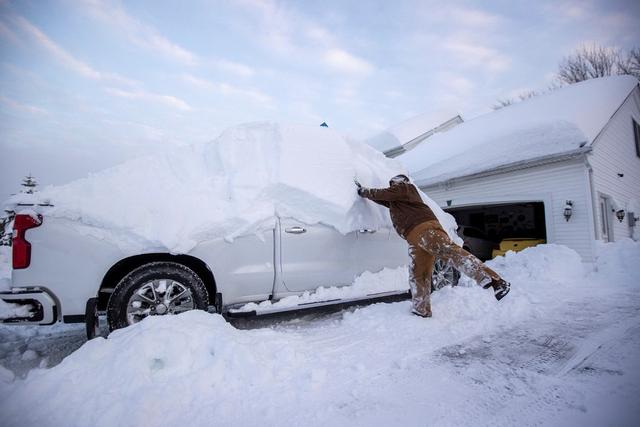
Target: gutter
[[510, 167], [594, 205], [396, 151]]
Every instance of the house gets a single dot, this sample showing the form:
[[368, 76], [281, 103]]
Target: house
[[564, 167]]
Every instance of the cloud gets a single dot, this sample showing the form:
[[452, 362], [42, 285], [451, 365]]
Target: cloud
[[458, 84], [474, 18], [345, 62], [235, 68], [139, 33], [168, 100], [64, 57], [276, 24], [569, 10], [320, 35], [198, 82], [6, 33], [474, 53], [287, 32], [228, 89], [21, 106], [255, 95]]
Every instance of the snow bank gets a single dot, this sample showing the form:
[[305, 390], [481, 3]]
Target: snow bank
[[233, 186], [351, 370], [550, 264], [618, 263]]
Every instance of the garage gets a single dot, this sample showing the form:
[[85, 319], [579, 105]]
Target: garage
[[500, 227]]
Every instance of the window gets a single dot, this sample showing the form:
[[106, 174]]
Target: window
[[636, 135]]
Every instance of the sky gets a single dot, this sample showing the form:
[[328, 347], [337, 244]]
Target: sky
[[86, 84]]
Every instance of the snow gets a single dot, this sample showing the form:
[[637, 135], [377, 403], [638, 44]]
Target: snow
[[560, 349], [8, 310], [555, 123], [386, 280], [5, 270], [233, 186]]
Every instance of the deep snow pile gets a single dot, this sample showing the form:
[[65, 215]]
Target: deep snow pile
[[233, 186], [372, 366]]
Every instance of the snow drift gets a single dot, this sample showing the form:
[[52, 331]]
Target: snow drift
[[233, 186], [357, 369]]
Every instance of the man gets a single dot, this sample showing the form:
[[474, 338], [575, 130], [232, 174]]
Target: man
[[417, 224]]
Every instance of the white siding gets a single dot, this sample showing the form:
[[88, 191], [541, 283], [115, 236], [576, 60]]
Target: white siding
[[614, 152], [552, 184]]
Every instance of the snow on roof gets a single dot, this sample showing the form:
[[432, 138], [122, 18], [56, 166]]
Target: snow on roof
[[409, 129], [552, 124]]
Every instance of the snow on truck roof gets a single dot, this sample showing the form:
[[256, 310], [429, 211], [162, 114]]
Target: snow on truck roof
[[552, 124], [233, 186]]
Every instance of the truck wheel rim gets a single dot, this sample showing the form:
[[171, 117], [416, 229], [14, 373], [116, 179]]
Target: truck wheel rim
[[443, 275], [159, 297]]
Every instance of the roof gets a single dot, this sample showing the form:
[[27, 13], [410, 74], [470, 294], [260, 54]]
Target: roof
[[558, 123]]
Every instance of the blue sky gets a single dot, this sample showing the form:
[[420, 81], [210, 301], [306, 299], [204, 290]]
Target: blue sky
[[86, 84]]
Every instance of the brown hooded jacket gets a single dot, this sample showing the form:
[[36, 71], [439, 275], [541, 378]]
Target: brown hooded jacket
[[405, 205]]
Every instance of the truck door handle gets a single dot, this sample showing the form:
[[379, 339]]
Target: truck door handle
[[367, 230], [295, 230]]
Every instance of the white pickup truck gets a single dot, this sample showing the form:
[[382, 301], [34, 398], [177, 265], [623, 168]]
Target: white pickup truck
[[64, 272]]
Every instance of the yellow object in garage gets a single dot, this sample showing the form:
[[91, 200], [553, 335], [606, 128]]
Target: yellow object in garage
[[516, 244]]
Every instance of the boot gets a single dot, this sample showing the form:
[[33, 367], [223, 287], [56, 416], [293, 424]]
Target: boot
[[500, 288], [428, 314]]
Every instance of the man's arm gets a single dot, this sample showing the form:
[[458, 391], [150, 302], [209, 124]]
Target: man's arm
[[380, 202], [361, 190], [391, 194]]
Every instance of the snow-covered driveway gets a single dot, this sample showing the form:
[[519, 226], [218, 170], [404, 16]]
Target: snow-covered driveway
[[561, 349]]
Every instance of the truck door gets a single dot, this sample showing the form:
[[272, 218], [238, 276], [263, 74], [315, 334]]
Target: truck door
[[377, 248], [313, 256]]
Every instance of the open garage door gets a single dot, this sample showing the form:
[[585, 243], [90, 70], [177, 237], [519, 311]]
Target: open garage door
[[508, 225]]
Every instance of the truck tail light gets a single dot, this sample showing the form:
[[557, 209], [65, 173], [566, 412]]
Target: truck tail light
[[21, 248]]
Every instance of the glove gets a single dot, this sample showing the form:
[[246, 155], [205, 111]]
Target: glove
[[359, 188]]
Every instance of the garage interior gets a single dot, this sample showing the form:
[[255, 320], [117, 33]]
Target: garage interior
[[504, 221]]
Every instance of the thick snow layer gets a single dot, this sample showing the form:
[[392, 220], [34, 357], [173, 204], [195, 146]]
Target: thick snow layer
[[233, 186], [561, 349], [551, 124]]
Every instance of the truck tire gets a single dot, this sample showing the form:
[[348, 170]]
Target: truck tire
[[444, 274], [156, 288]]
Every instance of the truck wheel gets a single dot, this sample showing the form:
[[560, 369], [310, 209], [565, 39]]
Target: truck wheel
[[157, 288], [444, 274]]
